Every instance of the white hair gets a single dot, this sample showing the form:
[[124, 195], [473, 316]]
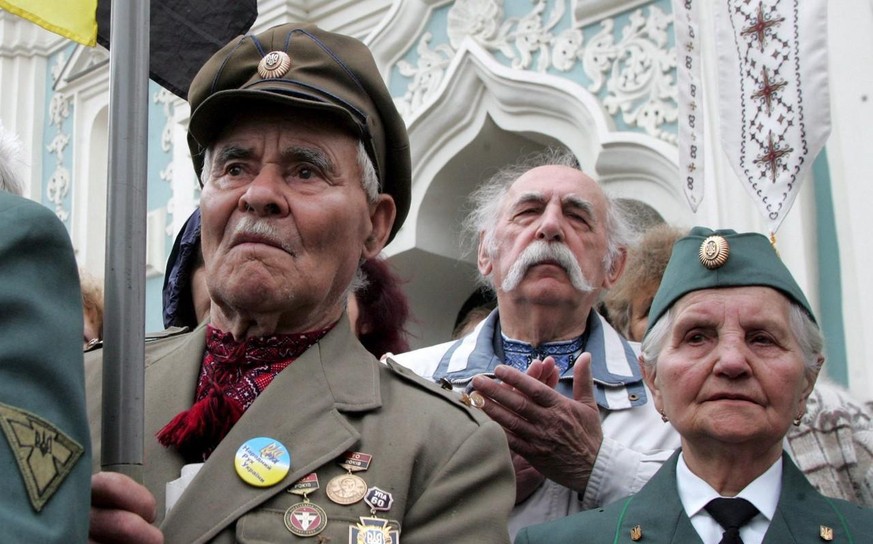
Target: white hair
[[488, 200], [10, 156]]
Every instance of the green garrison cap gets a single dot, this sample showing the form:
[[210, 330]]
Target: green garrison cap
[[303, 66], [707, 259]]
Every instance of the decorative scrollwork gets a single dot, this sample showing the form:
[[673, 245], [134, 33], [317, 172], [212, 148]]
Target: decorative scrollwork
[[60, 180], [57, 189], [633, 75], [167, 100]]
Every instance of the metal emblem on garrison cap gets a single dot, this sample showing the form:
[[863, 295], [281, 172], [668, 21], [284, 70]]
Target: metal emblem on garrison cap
[[275, 64], [636, 533], [714, 252]]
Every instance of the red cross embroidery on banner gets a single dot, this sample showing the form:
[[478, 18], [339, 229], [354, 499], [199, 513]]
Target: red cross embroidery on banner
[[768, 89], [759, 29], [773, 157]]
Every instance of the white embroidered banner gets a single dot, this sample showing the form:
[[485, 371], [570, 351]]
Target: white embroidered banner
[[774, 107], [690, 98]]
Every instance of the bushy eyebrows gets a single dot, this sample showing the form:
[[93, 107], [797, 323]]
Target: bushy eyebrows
[[229, 153], [314, 156], [568, 202], [290, 155], [575, 202]]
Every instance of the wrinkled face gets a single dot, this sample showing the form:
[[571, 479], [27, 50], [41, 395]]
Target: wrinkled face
[[554, 205], [199, 293], [731, 371], [285, 218]]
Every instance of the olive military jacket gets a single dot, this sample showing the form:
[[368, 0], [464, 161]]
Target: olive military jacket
[[656, 515], [447, 467]]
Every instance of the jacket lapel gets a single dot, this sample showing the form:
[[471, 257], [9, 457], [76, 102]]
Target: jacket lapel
[[801, 511], [170, 383], [300, 409], [658, 511]]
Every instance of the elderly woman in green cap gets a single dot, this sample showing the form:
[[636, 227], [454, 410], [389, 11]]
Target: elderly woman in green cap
[[731, 354]]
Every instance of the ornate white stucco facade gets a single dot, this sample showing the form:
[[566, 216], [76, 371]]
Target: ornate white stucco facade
[[480, 82]]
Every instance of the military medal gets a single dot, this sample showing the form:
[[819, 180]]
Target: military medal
[[349, 488], [378, 500], [305, 518], [262, 461], [374, 531]]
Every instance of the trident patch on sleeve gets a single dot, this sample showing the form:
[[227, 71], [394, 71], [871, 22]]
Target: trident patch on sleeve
[[45, 455]]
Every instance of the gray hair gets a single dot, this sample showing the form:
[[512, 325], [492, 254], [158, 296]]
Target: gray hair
[[809, 338], [487, 201], [10, 154], [369, 178]]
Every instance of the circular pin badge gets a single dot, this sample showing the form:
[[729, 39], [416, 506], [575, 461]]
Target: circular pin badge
[[305, 519], [262, 461], [274, 64], [714, 252], [346, 489]]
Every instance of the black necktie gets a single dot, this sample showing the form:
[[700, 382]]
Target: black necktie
[[731, 514]]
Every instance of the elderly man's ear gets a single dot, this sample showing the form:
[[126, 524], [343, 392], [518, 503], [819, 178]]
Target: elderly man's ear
[[382, 214], [617, 268], [483, 257]]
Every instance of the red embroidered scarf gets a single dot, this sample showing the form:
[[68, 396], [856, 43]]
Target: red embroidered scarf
[[232, 376]]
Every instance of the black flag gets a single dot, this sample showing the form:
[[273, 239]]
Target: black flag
[[184, 34]]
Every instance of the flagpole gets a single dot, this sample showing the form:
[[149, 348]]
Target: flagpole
[[124, 321]]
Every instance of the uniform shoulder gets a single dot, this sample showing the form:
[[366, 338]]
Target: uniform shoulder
[[424, 361], [591, 527], [452, 398], [153, 341], [860, 518]]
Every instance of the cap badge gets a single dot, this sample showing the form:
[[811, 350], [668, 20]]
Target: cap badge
[[714, 252], [275, 64]]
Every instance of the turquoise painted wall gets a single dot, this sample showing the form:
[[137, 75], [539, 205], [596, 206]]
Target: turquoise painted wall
[[830, 286]]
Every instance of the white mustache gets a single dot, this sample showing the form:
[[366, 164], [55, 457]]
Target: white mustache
[[249, 225], [539, 252]]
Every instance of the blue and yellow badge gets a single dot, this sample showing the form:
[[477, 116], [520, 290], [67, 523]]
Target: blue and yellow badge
[[45, 455], [374, 531], [262, 461]]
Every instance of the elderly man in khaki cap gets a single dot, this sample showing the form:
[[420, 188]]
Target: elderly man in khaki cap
[[270, 422]]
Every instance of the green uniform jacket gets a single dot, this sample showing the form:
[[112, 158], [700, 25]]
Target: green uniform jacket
[[656, 509], [446, 466], [45, 456]]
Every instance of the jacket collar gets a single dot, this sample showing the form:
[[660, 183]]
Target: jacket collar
[[617, 379]]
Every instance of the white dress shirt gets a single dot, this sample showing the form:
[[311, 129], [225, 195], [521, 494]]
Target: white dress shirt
[[763, 492]]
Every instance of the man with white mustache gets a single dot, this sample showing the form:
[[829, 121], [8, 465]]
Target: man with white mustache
[[564, 385]]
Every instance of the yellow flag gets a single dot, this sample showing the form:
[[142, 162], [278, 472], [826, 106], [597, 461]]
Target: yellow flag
[[73, 19]]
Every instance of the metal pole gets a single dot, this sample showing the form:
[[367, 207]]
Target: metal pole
[[124, 323]]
